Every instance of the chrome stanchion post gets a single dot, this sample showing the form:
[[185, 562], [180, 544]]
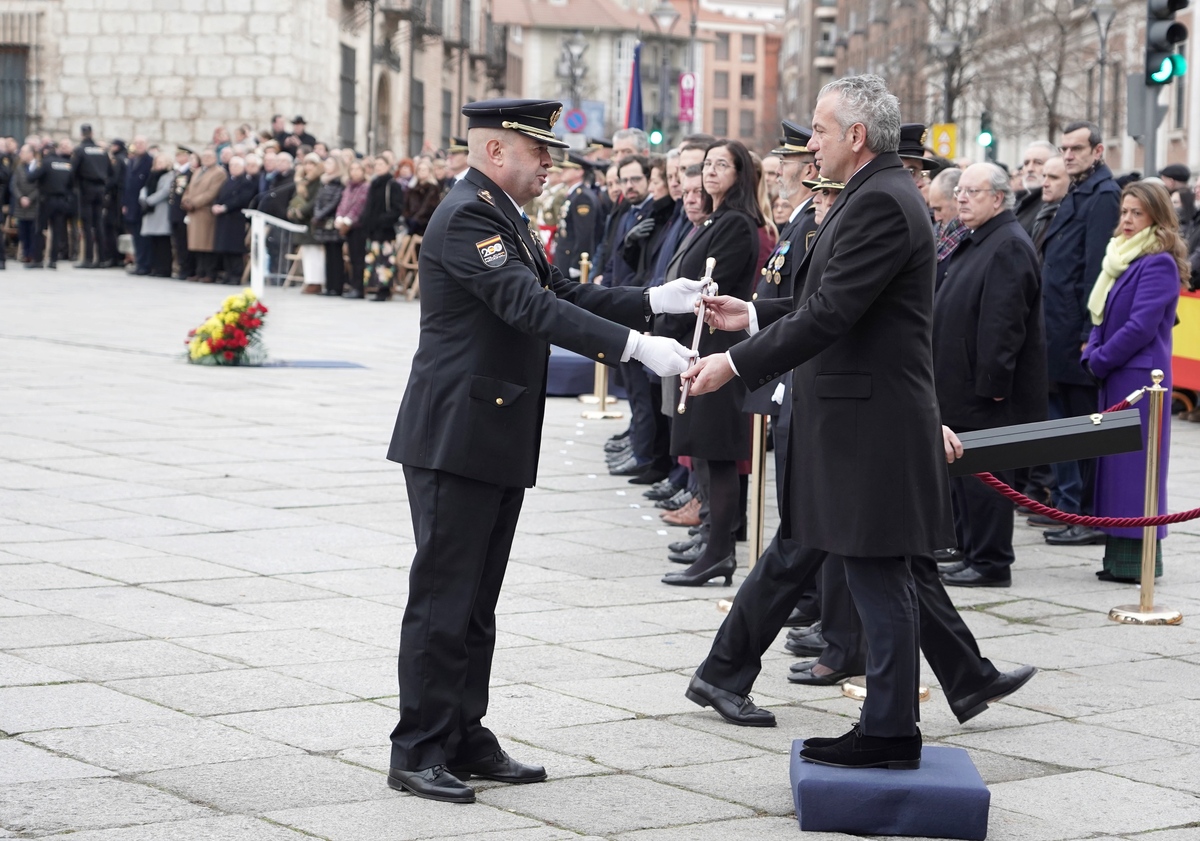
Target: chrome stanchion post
[[758, 488], [1145, 612]]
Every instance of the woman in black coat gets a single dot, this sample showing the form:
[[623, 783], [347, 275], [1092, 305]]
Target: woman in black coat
[[385, 199], [422, 198], [229, 239], [714, 431], [323, 229]]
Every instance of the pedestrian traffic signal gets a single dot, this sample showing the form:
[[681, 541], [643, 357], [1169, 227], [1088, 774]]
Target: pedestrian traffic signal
[[986, 138], [656, 137], [1163, 32]]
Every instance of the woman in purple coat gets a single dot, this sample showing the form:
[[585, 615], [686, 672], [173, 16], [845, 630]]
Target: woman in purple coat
[[1133, 309]]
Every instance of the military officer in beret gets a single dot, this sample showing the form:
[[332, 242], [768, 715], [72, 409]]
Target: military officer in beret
[[577, 222], [469, 431]]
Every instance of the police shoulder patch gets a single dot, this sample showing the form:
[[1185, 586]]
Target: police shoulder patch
[[583, 210], [491, 251]]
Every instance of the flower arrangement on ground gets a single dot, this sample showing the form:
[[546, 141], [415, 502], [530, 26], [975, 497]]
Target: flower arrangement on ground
[[230, 336]]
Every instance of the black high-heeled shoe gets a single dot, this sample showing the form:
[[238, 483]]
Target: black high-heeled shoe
[[721, 568]]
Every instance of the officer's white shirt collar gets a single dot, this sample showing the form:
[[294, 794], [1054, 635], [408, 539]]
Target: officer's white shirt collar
[[460, 176], [799, 209]]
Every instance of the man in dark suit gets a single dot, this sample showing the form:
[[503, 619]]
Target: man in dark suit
[[469, 430], [866, 475], [989, 356]]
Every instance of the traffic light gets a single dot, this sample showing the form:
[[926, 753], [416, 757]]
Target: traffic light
[[986, 138], [1163, 32], [656, 134]]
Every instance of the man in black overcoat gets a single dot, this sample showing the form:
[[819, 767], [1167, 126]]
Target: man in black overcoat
[[989, 356], [469, 431], [866, 475]]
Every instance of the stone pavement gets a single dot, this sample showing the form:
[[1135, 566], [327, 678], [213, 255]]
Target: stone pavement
[[202, 573]]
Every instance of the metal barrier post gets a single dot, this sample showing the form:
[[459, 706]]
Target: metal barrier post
[[600, 381], [1145, 612]]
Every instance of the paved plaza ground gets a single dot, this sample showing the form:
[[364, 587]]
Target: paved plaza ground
[[203, 571]]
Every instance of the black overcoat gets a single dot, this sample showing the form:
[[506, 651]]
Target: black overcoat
[[866, 467], [715, 426], [491, 305], [988, 338], [230, 233]]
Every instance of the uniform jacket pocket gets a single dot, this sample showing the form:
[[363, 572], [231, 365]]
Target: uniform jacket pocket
[[496, 392]]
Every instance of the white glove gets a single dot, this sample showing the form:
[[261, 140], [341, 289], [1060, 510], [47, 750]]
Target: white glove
[[664, 356], [678, 296], [575, 273]]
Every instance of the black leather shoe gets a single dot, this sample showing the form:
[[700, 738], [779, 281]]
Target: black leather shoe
[[799, 619], [1077, 536], [502, 768], [1004, 685], [687, 556], [353, 295], [629, 467], [810, 646], [663, 490], [950, 569], [801, 665], [801, 633], [736, 709], [434, 783], [973, 578], [648, 477], [676, 502], [684, 545], [619, 457], [614, 445], [1105, 575], [722, 568], [948, 556], [858, 751], [807, 677]]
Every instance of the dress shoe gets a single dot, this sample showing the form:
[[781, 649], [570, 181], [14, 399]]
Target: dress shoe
[[807, 677], [662, 490], [858, 751], [810, 646], [331, 293], [353, 295], [799, 619], [684, 545], [33, 265], [826, 741], [698, 578], [85, 265], [648, 476], [948, 556], [950, 569], [801, 633], [629, 467], [974, 578], [734, 708], [617, 442], [1002, 686], [621, 455], [688, 515], [1077, 536], [687, 556], [1105, 575], [502, 768], [1042, 520], [801, 666], [434, 783], [676, 502]]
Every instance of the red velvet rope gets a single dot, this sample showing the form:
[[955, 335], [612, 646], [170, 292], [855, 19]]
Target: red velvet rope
[[1079, 519]]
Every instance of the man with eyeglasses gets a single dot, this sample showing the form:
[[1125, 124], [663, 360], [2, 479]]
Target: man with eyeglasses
[[989, 360], [912, 155], [1074, 248]]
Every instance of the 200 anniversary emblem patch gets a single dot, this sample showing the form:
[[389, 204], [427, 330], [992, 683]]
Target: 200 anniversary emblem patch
[[491, 251]]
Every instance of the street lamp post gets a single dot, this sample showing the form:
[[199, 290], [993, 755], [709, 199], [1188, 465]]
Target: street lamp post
[[947, 47], [664, 17], [1104, 12]]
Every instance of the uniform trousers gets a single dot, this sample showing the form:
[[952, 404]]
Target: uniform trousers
[[91, 215], [885, 597], [54, 219], [464, 531], [185, 260]]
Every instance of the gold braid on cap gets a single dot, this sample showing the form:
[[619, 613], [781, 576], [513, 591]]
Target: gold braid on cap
[[540, 132]]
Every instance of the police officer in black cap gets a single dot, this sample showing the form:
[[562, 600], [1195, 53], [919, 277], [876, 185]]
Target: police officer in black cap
[[576, 233], [469, 430], [92, 169], [58, 195]]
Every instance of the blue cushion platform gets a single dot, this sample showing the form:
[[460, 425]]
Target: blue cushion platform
[[944, 798], [570, 375]]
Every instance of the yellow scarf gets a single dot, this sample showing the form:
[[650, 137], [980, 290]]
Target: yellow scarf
[[1120, 253]]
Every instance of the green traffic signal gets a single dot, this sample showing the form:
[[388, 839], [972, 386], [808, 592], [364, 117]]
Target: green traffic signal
[[656, 137], [1164, 72], [984, 139]]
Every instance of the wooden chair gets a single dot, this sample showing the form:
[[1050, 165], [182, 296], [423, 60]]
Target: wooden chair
[[406, 266]]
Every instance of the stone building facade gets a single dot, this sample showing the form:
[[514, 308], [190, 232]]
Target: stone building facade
[[173, 70]]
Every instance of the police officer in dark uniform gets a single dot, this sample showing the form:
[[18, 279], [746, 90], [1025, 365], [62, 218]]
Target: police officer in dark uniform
[[469, 430], [185, 261], [577, 226], [57, 198], [92, 169], [114, 193]]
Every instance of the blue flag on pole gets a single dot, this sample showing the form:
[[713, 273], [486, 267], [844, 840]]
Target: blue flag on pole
[[633, 103]]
